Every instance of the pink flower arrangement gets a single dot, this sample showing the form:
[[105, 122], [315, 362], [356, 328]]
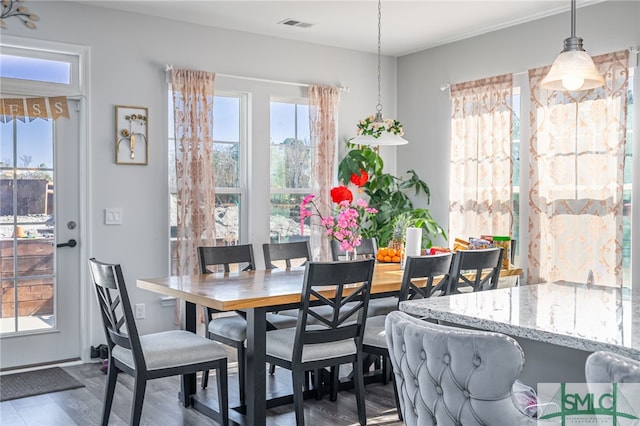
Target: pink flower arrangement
[[345, 224]]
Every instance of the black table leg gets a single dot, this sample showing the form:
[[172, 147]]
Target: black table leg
[[256, 403]]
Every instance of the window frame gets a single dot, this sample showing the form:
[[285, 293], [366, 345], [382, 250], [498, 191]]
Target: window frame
[[42, 49]]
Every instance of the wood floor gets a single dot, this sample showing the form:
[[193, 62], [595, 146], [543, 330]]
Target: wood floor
[[83, 406]]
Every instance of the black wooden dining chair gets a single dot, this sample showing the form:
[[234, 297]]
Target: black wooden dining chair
[[232, 329], [274, 252], [477, 270], [367, 249], [420, 274], [326, 342], [277, 252], [151, 356]]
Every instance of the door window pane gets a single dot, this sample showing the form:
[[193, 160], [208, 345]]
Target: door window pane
[[26, 226]]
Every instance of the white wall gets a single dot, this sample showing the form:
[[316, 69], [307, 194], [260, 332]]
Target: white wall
[[425, 110], [128, 54]]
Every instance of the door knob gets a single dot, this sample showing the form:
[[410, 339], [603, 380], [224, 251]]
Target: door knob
[[70, 243]]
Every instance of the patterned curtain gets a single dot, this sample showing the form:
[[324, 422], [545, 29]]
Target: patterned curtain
[[481, 164], [323, 116], [193, 112], [576, 177]]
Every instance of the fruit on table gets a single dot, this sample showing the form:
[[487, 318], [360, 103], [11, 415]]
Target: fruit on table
[[388, 254]]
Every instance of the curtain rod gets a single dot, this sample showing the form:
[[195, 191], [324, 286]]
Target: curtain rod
[[168, 68], [633, 50]]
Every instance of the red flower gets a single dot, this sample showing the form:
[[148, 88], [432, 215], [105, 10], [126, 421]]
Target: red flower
[[360, 180], [340, 194]]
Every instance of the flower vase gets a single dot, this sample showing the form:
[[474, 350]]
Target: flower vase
[[351, 255]]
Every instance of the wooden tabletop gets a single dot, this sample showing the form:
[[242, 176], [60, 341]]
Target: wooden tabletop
[[243, 290]]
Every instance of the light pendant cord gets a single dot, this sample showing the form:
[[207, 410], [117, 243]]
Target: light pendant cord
[[573, 43], [379, 106]]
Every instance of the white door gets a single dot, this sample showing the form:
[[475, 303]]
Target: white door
[[39, 210]]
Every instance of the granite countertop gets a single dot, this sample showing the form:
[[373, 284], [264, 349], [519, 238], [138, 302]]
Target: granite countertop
[[589, 318]]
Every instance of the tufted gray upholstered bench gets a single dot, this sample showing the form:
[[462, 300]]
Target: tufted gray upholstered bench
[[608, 367], [450, 376]]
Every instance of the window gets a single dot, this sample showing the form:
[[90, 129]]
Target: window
[[40, 71], [578, 188], [229, 135], [290, 167]]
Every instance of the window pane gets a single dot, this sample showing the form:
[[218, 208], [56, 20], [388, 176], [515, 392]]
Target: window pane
[[35, 149], [226, 163], [302, 119], [291, 165], [283, 123], [226, 116], [6, 144], [227, 223], [227, 219], [285, 218], [35, 69]]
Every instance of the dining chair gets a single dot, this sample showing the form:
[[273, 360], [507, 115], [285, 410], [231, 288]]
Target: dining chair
[[367, 249], [232, 329], [609, 367], [150, 356], [330, 342], [475, 269], [274, 252], [420, 273], [286, 252], [448, 375]]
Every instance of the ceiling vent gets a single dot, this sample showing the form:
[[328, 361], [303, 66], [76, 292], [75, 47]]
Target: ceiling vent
[[294, 23]]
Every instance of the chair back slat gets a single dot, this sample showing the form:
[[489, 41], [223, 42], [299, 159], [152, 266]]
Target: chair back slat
[[419, 275], [225, 256], [483, 266], [287, 252], [117, 317], [350, 286], [368, 249]]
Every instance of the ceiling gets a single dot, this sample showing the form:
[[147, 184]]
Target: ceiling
[[406, 27]]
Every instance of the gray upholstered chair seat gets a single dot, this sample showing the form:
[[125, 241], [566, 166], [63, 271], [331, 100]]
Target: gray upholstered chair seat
[[172, 349], [232, 327], [290, 312], [280, 344], [608, 367], [235, 327], [382, 306], [282, 321], [374, 333], [324, 311], [448, 376]]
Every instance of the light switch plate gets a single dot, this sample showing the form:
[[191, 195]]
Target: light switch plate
[[112, 216]]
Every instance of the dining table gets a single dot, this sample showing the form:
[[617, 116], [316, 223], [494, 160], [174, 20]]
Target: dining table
[[255, 293]]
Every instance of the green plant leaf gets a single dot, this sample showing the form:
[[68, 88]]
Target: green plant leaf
[[389, 195]]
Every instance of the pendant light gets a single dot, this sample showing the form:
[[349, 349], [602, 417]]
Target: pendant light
[[573, 69], [374, 130]]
